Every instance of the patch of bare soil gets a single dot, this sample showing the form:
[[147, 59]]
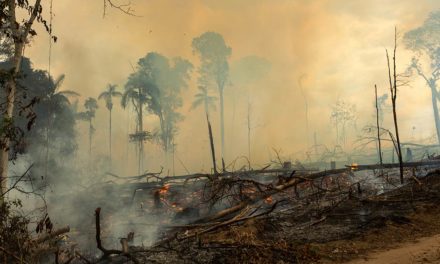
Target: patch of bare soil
[[415, 241], [425, 250]]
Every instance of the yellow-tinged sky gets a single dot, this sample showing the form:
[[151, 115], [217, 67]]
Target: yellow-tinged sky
[[338, 44]]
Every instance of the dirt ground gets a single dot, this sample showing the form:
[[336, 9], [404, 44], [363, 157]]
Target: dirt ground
[[425, 250], [416, 240]]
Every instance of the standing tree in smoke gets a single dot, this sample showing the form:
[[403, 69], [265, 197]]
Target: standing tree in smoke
[[55, 100], [425, 42], [246, 73], [204, 98], [208, 101], [214, 68], [16, 31], [169, 81], [342, 114], [163, 82], [90, 105], [107, 96], [392, 78], [136, 94]]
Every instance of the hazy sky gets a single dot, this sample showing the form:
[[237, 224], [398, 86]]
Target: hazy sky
[[338, 45]]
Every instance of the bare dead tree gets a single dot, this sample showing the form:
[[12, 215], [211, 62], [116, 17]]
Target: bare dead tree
[[124, 8], [211, 140], [108, 252], [393, 90], [378, 127]]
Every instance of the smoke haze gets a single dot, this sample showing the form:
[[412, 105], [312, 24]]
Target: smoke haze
[[338, 47]]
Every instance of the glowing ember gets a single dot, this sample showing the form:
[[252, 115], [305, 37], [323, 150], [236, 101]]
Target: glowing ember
[[354, 166], [164, 189], [268, 200]]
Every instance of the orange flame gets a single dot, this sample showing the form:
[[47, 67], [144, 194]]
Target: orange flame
[[164, 189], [354, 166], [268, 200]]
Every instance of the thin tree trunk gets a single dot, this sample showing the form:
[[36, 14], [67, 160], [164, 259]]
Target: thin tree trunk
[[90, 138], [211, 140], [141, 141], [47, 146], [393, 90], [110, 136], [8, 116], [378, 127], [222, 128], [435, 110]]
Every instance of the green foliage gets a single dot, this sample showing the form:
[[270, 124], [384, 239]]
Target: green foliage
[[425, 37], [203, 97], [42, 111], [214, 54], [108, 95], [91, 105], [157, 83], [425, 41], [14, 232]]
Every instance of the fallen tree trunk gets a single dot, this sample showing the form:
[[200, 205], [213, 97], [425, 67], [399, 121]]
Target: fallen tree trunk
[[395, 165], [52, 234], [297, 180]]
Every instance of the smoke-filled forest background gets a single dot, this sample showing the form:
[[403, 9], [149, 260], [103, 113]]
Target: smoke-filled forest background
[[284, 55]]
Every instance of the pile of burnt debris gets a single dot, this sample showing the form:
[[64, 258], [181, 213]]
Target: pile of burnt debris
[[264, 216]]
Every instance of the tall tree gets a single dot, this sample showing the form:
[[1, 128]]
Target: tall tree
[[55, 99], [17, 30], [245, 74], [214, 68], [425, 42], [163, 81], [91, 105], [54, 127], [343, 113], [17, 19], [107, 96], [208, 101], [135, 93], [392, 78]]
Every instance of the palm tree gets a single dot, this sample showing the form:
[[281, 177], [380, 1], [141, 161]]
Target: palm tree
[[108, 95], [136, 95], [55, 100], [203, 97], [91, 105]]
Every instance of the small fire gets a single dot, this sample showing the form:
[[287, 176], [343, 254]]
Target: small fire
[[164, 189], [268, 200], [176, 208], [354, 166]]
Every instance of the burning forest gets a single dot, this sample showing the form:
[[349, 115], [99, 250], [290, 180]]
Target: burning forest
[[225, 131]]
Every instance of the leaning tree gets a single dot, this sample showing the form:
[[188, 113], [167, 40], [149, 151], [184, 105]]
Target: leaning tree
[[424, 41]]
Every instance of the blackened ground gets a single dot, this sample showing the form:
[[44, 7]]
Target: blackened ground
[[340, 228]]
